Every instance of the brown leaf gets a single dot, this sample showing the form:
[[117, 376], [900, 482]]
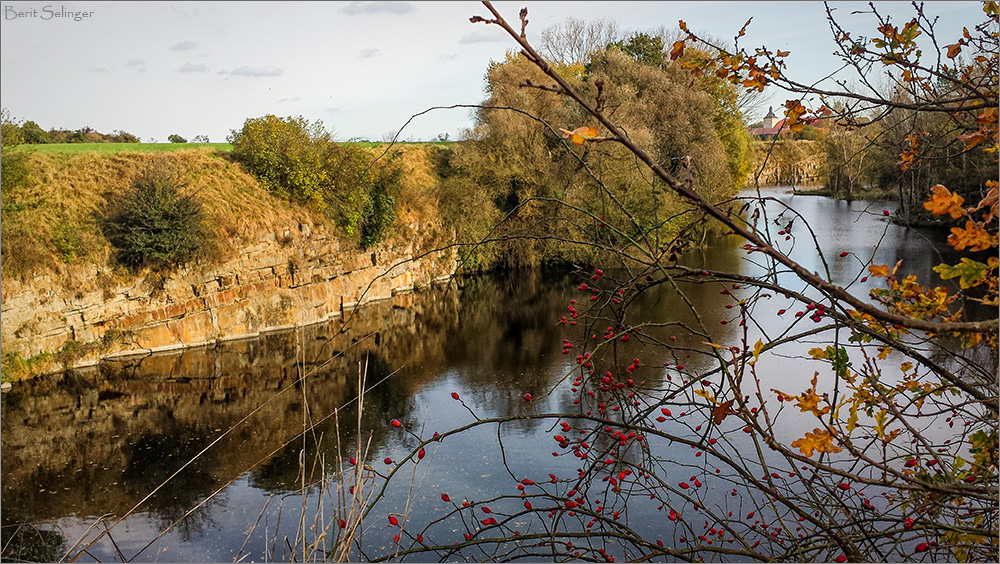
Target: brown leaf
[[677, 51], [722, 410]]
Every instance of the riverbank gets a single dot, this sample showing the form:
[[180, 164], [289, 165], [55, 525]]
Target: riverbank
[[276, 265]]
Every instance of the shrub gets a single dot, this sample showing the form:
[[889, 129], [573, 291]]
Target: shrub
[[380, 209], [153, 224], [174, 138], [298, 161], [33, 134]]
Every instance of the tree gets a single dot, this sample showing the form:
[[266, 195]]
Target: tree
[[153, 224], [174, 138], [573, 41], [33, 134], [868, 476]]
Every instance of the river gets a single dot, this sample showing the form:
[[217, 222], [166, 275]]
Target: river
[[96, 442]]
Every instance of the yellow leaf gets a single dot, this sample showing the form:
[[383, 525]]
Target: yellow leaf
[[972, 236], [942, 201], [817, 440], [704, 394], [880, 270], [580, 134], [758, 347]]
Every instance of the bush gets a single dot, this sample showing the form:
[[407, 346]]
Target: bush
[[298, 161], [380, 210], [174, 138], [153, 224]]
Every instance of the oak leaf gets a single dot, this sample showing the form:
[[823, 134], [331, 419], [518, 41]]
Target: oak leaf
[[972, 236], [817, 440], [969, 272], [943, 201], [722, 410], [580, 134], [677, 51]]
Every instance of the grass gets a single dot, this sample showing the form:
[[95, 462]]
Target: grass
[[116, 148], [53, 220]]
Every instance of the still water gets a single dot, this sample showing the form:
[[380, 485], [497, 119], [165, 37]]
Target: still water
[[96, 442]]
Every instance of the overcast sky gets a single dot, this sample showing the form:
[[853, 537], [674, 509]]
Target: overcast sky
[[202, 68]]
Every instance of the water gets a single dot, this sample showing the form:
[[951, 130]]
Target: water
[[96, 442]]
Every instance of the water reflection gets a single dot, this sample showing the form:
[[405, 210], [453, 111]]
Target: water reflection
[[86, 443]]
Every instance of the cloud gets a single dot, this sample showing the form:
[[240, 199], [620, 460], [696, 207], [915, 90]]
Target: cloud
[[254, 72], [359, 8], [484, 35], [99, 69], [183, 46], [369, 53], [449, 57], [191, 67], [295, 99], [135, 63]]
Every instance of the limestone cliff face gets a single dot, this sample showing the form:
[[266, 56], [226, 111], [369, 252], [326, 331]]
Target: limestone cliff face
[[300, 277], [787, 162]]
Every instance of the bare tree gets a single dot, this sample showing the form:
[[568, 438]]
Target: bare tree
[[573, 41]]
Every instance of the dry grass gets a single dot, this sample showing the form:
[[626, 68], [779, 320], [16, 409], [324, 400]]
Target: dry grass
[[51, 224]]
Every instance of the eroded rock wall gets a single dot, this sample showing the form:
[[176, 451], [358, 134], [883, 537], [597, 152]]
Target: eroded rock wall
[[300, 277]]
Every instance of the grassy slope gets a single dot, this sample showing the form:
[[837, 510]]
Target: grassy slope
[[51, 226], [115, 148]]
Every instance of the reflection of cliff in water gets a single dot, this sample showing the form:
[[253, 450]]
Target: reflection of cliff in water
[[97, 440]]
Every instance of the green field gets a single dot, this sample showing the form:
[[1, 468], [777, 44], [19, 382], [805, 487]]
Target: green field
[[74, 148], [112, 148]]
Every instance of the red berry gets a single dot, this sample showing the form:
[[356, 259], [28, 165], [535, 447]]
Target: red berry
[[840, 558], [388, 460], [454, 395], [527, 397], [420, 454], [922, 547], [844, 486], [393, 521], [445, 498], [396, 423]]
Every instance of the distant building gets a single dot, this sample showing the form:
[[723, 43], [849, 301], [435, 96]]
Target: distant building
[[772, 126]]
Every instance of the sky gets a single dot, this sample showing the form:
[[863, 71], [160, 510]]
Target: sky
[[364, 68]]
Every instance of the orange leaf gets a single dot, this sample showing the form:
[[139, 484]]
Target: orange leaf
[[973, 236], [879, 270], [677, 51], [817, 440], [720, 411], [954, 50], [580, 134], [942, 201]]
